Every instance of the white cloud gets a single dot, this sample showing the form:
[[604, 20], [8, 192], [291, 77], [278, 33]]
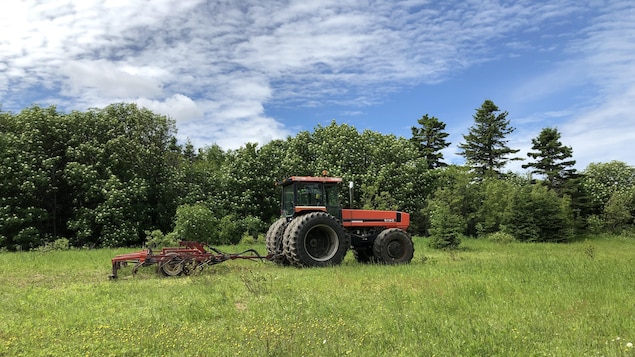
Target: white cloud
[[178, 106], [215, 65], [605, 133], [232, 133], [604, 130], [596, 113], [103, 78]]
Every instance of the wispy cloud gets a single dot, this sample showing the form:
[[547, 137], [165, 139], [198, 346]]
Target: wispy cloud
[[601, 125], [215, 65]]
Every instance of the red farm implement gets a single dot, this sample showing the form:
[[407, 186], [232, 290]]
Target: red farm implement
[[182, 260]]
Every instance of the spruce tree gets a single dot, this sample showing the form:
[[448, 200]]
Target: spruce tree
[[552, 158], [429, 139], [485, 147]]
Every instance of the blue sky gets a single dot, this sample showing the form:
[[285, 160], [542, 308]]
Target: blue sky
[[231, 72]]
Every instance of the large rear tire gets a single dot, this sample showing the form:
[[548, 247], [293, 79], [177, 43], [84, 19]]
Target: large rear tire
[[274, 239], [393, 246], [315, 239]]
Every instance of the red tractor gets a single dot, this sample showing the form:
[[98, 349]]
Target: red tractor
[[315, 231]]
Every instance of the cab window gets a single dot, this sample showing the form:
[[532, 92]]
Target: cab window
[[310, 194]]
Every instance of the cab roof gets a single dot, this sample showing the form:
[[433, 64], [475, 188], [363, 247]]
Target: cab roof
[[320, 179]]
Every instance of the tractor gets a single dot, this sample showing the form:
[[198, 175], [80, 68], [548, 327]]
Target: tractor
[[314, 230]]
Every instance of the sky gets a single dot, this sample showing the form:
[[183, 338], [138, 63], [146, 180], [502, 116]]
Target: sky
[[231, 72]]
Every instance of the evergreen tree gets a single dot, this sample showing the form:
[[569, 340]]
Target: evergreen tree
[[537, 214], [485, 147], [430, 140], [551, 158]]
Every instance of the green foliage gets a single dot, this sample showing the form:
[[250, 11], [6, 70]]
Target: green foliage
[[156, 239], [107, 176], [461, 194], [601, 180], [610, 189], [595, 224], [253, 226], [552, 158], [485, 147], [230, 230], [496, 195], [61, 244], [429, 140], [447, 225], [27, 238], [500, 237], [537, 214], [197, 223], [58, 244], [247, 240], [29, 160], [96, 177], [619, 211]]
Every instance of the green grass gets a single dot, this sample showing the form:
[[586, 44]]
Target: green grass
[[487, 299]]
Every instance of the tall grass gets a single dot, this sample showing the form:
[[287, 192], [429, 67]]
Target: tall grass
[[486, 299]]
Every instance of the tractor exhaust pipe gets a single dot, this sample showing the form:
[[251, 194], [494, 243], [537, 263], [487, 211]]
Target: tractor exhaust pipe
[[350, 191]]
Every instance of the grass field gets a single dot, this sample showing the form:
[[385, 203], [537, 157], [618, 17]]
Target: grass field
[[487, 299]]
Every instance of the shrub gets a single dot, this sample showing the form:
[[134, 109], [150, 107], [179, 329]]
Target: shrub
[[496, 194], [196, 223], [595, 224], [58, 244], [500, 237], [156, 239], [537, 214], [61, 244], [231, 231], [27, 238], [247, 240], [446, 227], [252, 226], [620, 209]]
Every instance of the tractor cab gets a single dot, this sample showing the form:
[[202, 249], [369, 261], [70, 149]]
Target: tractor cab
[[303, 194]]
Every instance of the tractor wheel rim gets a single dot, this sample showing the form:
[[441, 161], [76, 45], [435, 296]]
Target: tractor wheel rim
[[321, 243], [395, 249]]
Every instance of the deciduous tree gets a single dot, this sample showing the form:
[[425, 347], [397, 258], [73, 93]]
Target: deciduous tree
[[602, 180]]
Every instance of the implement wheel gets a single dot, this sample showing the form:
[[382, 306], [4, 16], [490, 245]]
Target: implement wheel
[[173, 265], [315, 239], [393, 246], [274, 239]]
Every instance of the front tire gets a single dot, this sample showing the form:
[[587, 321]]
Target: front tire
[[393, 246], [315, 239]]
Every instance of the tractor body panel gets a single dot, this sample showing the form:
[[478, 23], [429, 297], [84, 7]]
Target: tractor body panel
[[353, 218]]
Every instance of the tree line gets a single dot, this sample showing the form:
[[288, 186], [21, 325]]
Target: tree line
[[117, 176]]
